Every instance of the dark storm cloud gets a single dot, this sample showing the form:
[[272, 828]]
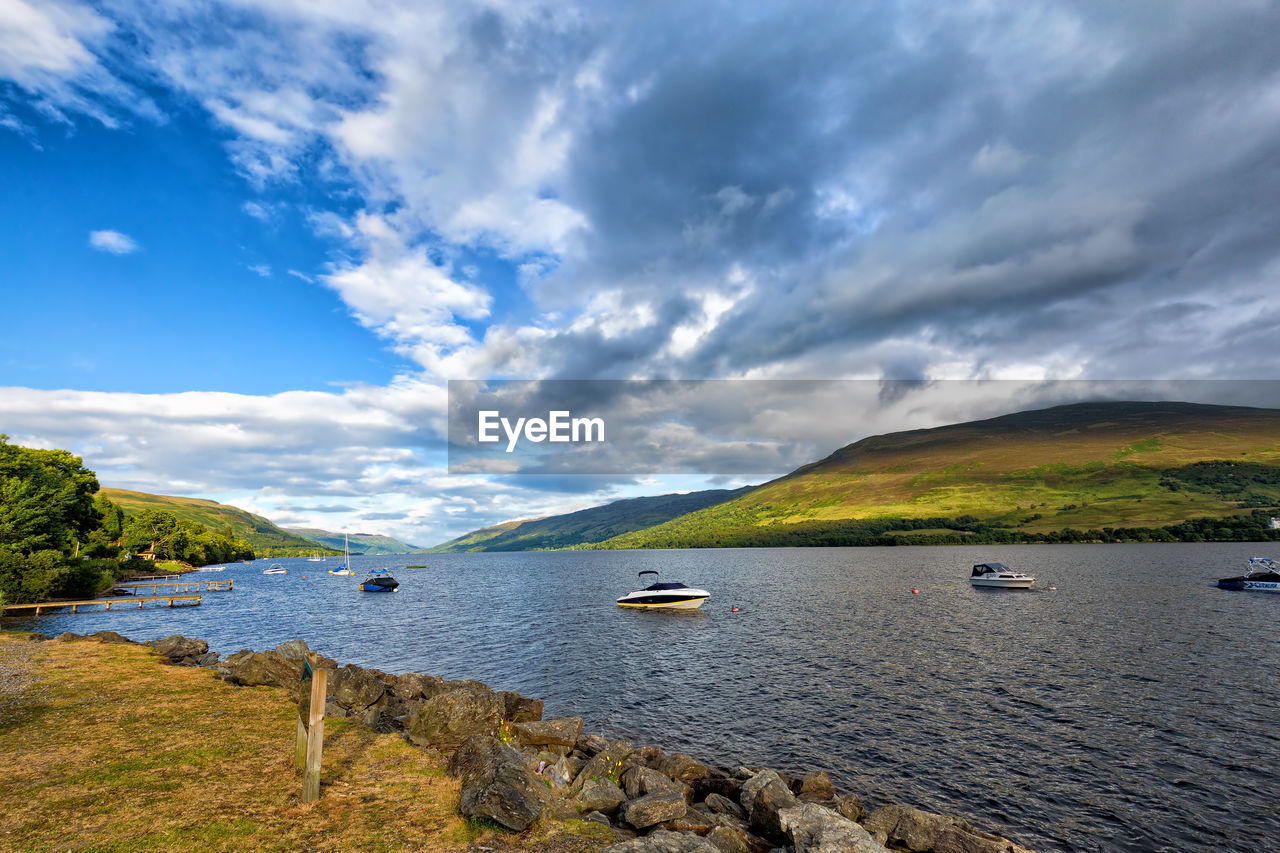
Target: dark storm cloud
[[941, 178]]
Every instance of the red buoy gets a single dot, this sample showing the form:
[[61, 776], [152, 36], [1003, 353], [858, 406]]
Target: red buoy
[[915, 592]]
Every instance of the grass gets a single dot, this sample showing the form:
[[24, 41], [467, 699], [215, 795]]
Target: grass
[[254, 529], [112, 751]]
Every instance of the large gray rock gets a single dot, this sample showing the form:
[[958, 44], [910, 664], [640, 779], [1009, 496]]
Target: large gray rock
[[639, 780], [654, 808], [904, 827], [521, 709], [851, 807], [816, 829], [762, 797], [563, 731], [723, 805], [356, 689], [728, 840], [293, 649], [592, 744], [497, 784], [816, 787], [112, 638], [606, 764], [177, 649], [450, 718], [683, 768], [662, 841], [650, 756], [265, 669], [599, 795], [414, 686]]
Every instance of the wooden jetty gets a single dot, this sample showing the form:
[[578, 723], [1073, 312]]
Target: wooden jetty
[[183, 586], [174, 601]]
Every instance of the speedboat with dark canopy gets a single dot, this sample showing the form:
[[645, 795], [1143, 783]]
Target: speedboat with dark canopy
[[1263, 576], [667, 596]]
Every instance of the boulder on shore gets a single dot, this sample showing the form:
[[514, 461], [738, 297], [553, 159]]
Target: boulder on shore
[[450, 718], [600, 795], [355, 689], [563, 731], [763, 796], [521, 709], [816, 829], [654, 808], [497, 784], [179, 649], [904, 827], [816, 787], [662, 841], [683, 767]]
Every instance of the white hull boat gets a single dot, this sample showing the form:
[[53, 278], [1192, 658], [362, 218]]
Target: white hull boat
[[664, 596], [999, 576]]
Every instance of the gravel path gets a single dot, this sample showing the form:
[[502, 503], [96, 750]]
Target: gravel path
[[17, 670]]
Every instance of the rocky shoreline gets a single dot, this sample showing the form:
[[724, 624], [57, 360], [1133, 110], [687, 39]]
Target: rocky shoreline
[[516, 768]]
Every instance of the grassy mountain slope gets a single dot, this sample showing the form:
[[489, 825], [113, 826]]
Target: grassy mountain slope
[[587, 526], [254, 529], [361, 543], [1082, 466]]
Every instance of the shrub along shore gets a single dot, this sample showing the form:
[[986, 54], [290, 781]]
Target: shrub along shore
[[538, 784]]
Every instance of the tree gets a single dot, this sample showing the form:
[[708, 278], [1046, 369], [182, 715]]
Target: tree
[[46, 499]]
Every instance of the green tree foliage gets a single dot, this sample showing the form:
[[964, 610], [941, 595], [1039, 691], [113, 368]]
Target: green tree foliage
[[166, 536], [46, 499]]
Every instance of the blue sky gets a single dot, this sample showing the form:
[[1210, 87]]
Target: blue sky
[[310, 216]]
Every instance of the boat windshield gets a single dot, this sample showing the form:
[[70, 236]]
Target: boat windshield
[[658, 586]]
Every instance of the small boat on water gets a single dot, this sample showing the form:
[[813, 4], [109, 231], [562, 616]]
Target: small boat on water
[[999, 576], [670, 596], [212, 569], [276, 569], [315, 558], [345, 568], [379, 580], [1263, 576]]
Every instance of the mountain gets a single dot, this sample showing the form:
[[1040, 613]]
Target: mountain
[[254, 529], [587, 526], [361, 543], [1085, 466]]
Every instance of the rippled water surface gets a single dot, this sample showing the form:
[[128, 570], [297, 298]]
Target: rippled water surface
[[1133, 708]]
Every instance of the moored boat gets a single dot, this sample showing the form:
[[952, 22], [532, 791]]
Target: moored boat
[[999, 576], [379, 580], [1263, 576], [668, 596], [276, 569]]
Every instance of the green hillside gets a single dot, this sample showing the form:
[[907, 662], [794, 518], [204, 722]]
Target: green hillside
[[1082, 467], [587, 526], [254, 529], [361, 543]]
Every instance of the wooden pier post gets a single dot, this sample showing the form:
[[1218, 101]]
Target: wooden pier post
[[313, 707]]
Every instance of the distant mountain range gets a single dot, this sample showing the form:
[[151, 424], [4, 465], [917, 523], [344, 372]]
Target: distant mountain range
[[596, 524], [361, 543], [1082, 469], [262, 534]]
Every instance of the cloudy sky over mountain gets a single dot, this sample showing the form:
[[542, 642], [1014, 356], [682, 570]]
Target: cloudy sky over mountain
[[246, 244]]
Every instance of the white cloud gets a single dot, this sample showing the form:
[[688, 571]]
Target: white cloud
[[113, 242]]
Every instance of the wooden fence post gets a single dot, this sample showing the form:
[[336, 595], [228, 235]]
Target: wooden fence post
[[314, 731]]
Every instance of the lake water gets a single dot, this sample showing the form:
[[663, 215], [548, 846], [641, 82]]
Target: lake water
[[1133, 708]]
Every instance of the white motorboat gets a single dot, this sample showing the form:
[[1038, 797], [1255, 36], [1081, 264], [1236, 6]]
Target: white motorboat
[[276, 569], [999, 576], [1263, 576], [666, 596]]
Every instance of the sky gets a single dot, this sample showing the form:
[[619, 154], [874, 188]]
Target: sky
[[245, 246]]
